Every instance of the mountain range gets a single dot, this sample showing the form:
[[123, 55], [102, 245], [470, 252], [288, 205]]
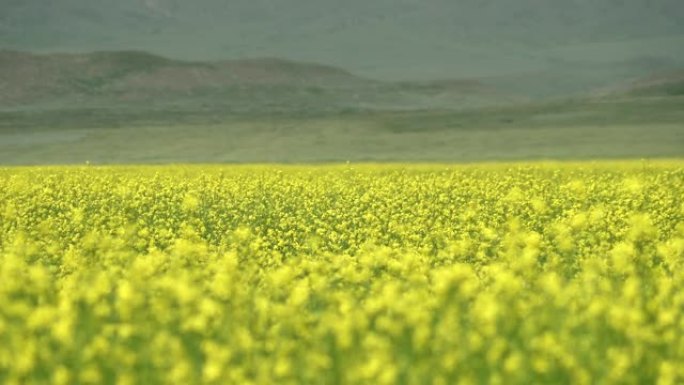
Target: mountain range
[[134, 79], [541, 47]]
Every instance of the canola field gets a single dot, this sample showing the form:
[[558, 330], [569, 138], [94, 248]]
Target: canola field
[[538, 273]]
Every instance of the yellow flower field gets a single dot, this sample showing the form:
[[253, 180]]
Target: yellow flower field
[[539, 273]]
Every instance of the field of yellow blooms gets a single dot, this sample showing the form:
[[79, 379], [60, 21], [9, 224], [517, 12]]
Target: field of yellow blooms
[[539, 273]]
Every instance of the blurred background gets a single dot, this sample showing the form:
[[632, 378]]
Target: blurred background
[[170, 81]]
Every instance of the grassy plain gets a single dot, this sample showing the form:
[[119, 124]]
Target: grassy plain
[[580, 129]]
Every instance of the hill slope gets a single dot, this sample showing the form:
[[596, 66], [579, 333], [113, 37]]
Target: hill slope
[[389, 39], [662, 84], [127, 78]]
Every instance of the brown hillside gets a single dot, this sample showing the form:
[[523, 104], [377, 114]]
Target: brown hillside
[[26, 78], [142, 80], [670, 83]]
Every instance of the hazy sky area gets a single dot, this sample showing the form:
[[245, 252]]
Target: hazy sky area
[[392, 39]]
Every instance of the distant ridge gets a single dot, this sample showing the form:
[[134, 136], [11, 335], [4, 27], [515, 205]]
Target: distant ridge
[[109, 78], [25, 76], [381, 39], [666, 83]]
